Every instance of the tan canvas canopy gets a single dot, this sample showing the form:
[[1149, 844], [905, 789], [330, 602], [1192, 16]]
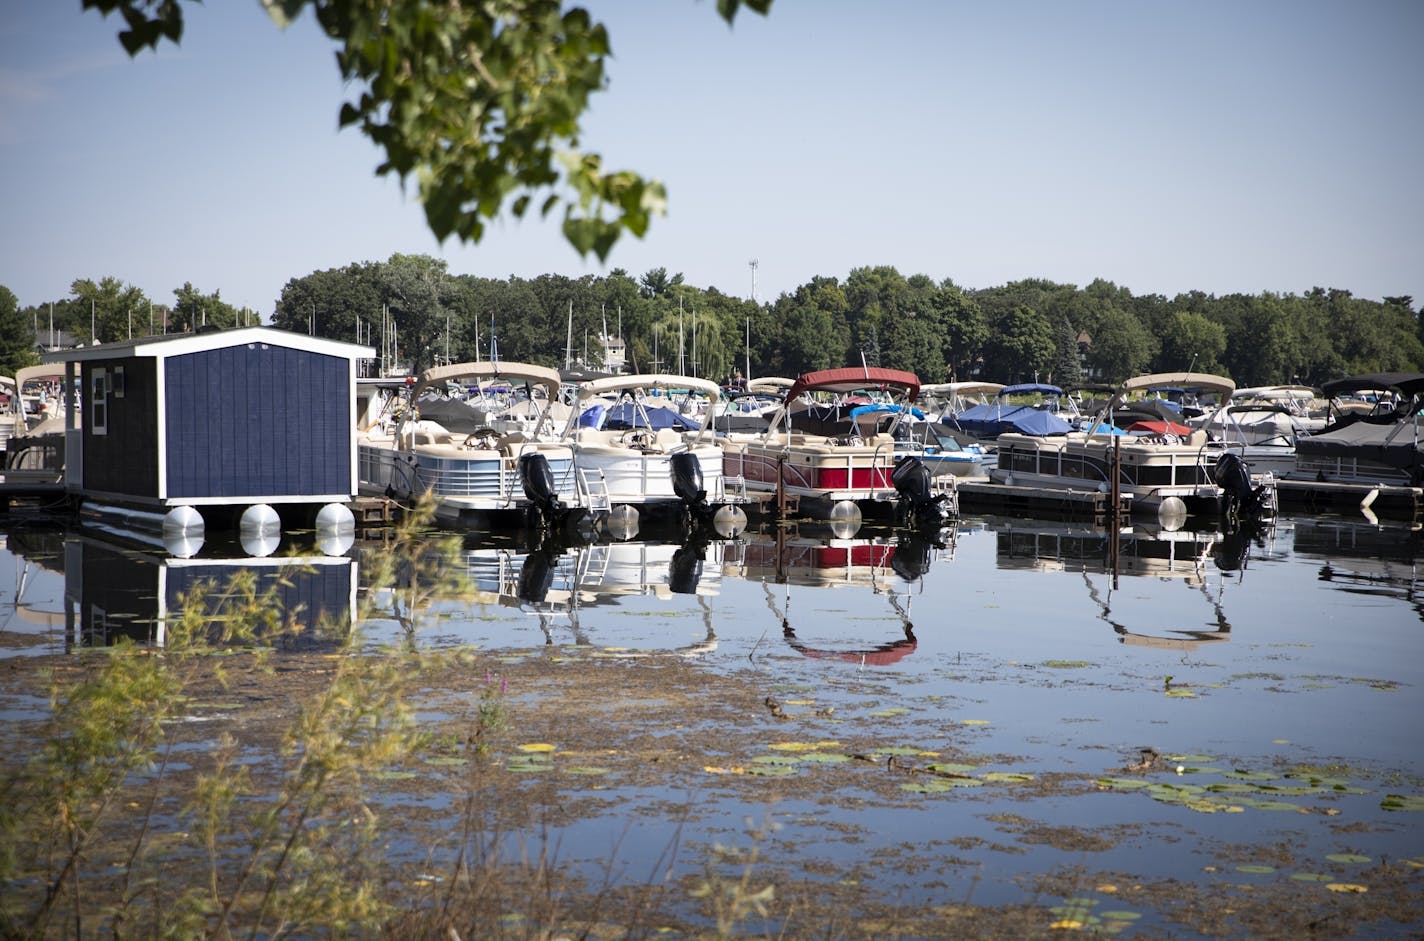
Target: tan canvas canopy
[[484, 371]]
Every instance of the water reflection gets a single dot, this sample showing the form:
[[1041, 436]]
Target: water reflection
[[887, 563], [116, 589], [1378, 559], [1135, 552]]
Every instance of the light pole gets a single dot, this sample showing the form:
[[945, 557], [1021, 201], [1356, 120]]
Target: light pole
[[753, 264]]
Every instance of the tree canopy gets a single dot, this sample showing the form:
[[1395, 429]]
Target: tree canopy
[[417, 313], [480, 103]]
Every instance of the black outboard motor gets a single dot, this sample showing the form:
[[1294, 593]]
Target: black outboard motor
[[536, 577], [917, 506], [686, 471], [686, 568], [538, 482], [912, 557], [1239, 498]]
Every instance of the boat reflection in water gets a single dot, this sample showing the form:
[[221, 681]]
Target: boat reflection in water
[[555, 581], [121, 589], [889, 563], [1184, 556], [1379, 559]]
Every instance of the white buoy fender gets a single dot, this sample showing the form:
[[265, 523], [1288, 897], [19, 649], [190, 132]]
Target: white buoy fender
[[1172, 513], [260, 530], [729, 521], [183, 532], [335, 529], [845, 519], [622, 522]]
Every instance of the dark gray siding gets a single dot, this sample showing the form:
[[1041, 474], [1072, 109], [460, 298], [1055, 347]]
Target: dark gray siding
[[125, 460], [256, 420]]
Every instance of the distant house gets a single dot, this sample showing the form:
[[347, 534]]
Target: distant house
[[218, 420]]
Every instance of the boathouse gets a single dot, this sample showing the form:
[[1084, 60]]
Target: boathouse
[[218, 421]]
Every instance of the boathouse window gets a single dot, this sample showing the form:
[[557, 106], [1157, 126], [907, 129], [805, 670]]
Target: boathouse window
[[117, 381], [99, 402]]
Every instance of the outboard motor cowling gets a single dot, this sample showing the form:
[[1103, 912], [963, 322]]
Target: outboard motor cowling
[[1233, 476], [911, 478], [537, 479], [918, 506], [686, 471]]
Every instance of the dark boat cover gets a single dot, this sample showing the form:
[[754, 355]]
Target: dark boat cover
[[1367, 441]]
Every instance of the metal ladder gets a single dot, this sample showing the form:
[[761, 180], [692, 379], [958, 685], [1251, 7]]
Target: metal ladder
[[595, 492]]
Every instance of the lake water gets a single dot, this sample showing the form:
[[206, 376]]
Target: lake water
[[1283, 675]]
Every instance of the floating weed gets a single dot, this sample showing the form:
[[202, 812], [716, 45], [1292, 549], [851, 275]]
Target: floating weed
[[772, 770], [801, 746], [777, 760], [938, 785], [824, 757], [950, 767], [1181, 694], [447, 761], [393, 775], [586, 770], [1066, 664], [1123, 784], [1416, 862], [1402, 802]]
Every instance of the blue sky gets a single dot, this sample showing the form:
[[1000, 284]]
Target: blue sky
[[1271, 145]]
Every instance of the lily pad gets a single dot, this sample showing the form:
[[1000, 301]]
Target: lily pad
[[1256, 869], [949, 767], [537, 747], [1402, 802], [1191, 759], [1346, 887], [777, 759], [1067, 664], [1309, 877], [772, 771], [1007, 777], [1347, 858], [1123, 784], [824, 757], [801, 746]]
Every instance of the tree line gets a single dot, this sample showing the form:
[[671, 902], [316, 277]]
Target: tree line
[[413, 309]]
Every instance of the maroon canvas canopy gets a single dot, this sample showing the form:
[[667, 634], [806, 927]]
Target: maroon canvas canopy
[[854, 378]]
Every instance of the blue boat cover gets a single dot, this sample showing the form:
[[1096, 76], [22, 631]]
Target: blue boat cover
[[993, 419], [627, 415]]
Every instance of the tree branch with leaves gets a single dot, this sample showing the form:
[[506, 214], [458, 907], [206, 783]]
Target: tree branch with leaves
[[480, 103]]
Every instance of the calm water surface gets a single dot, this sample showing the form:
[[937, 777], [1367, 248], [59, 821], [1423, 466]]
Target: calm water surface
[[1257, 664]]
